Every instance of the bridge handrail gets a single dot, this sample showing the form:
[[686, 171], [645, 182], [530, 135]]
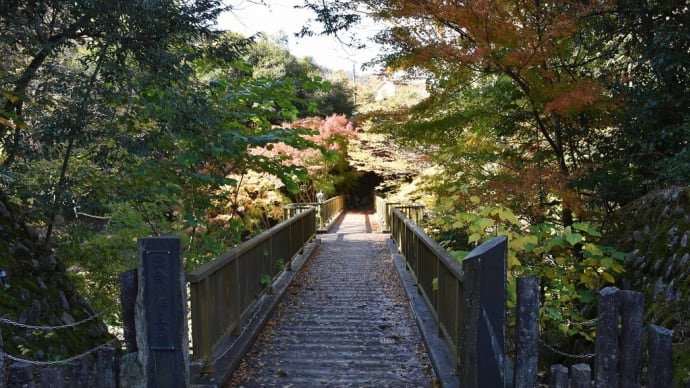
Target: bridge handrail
[[224, 289], [465, 299], [383, 211], [326, 210]]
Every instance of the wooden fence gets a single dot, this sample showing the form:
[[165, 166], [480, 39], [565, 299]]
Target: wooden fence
[[326, 211], [223, 290], [468, 301], [618, 346], [384, 209]]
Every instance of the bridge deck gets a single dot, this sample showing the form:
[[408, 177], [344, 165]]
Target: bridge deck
[[345, 320]]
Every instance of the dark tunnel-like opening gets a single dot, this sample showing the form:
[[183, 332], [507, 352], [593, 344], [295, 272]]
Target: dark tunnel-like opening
[[360, 196]]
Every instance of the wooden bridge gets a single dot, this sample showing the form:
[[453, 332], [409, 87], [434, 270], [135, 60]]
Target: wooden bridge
[[326, 297], [344, 319], [370, 300], [334, 298]]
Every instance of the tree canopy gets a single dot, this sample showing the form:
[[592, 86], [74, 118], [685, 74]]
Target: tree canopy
[[142, 116], [543, 117], [594, 90]]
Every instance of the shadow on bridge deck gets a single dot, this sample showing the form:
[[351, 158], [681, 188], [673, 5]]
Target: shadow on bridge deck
[[344, 320]]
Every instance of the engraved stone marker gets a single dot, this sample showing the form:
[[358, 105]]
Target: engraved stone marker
[[162, 338]]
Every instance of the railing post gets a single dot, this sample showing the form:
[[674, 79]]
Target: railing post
[[469, 319], [483, 326], [163, 344], [235, 308], [321, 213]]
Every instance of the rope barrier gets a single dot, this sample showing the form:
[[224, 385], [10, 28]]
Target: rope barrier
[[50, 328], [56, 362], [575, 356]]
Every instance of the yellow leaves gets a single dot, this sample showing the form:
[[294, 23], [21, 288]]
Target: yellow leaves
[[10, 97], [484, 223], [524, 243], [9, 119], [507, 215], [607, 276], [592, 249], [589, 278], [550, 273], [513, 261]]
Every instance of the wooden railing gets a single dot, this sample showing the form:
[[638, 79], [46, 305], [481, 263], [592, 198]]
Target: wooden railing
[[414, 212], [326, 211], [468, 300], [223, 290]]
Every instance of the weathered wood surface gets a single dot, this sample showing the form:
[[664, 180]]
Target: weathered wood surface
[[344, 321]]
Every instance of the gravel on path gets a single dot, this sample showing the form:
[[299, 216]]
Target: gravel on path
[[345, 320]]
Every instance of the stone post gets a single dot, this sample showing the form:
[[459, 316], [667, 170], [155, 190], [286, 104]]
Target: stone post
[[161, 314], [128, 298], [527, 332], [581, 375], [52, 377], [21, 375], [632, 332], [558, 376], [659, 370], [606, 343], [3, 381]]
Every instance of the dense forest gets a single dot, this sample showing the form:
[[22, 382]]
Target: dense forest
[[540, 121]]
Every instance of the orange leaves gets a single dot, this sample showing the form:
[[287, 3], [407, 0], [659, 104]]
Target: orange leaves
[[574, 98]]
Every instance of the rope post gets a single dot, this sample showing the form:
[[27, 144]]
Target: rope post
[[22, 375], [527, 332], [606, 343], [3, 382]]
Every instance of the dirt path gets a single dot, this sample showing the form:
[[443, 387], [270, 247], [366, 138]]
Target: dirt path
[[345, 320]]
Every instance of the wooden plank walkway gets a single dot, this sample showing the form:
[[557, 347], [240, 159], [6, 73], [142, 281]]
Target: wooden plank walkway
[[345, 320]]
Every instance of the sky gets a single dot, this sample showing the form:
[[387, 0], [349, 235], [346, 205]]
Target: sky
[[280, 17]]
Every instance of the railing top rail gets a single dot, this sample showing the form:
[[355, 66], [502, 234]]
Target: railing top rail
[[481, 250], [214, 265], [444, 256], [300, 205], [398, 204]]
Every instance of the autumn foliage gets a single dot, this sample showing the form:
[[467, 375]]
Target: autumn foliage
[[329, 135]]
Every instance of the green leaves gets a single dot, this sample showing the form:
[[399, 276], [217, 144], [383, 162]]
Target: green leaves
[[571, 264], [573, 238], [586, 228]]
